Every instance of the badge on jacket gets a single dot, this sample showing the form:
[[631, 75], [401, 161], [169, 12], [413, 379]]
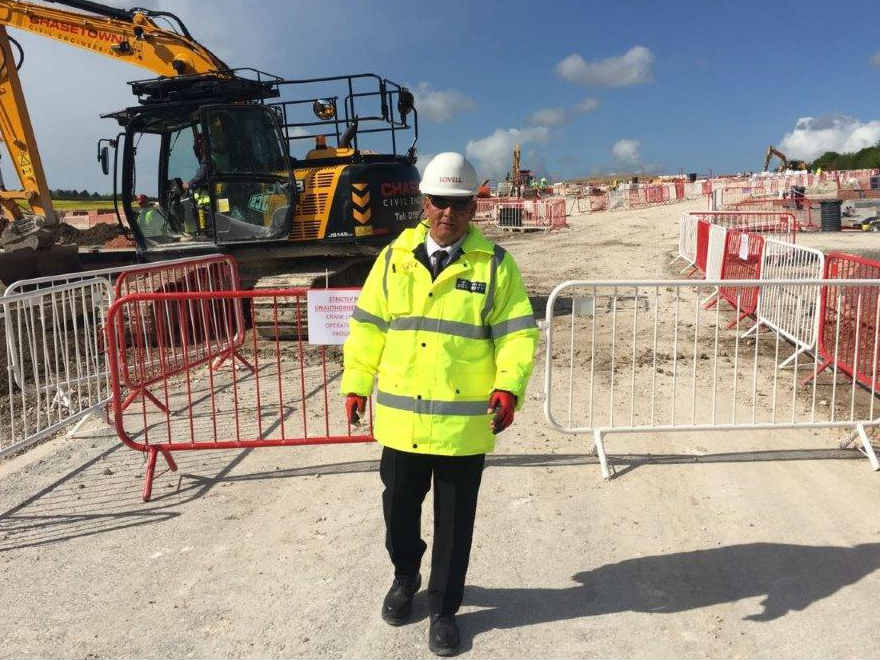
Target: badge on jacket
[[473, 287]]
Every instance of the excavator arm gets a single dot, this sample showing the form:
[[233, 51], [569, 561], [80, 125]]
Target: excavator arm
[[130, 36], [773, 151]]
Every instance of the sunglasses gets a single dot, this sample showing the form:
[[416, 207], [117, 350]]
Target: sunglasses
[[457, 203]]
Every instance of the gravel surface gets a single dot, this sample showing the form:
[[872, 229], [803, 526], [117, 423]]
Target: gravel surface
[[705, 545]]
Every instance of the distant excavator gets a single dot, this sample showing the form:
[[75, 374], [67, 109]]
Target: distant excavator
[[786, 164]]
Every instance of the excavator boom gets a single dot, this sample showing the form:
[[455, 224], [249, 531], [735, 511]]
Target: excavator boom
[[130, 36]]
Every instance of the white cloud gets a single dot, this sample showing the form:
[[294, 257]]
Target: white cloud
[[559, 116], [493, 154], [813, 136], [875, 59], [549, 117], [589, 104], [631, 68], [440, 105], [626, 152]]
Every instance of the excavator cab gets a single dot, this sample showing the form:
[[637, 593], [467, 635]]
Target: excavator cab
[[218, 170]]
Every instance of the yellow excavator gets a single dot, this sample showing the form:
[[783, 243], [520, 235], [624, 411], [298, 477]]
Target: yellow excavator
[[223, 170], [785, 164]]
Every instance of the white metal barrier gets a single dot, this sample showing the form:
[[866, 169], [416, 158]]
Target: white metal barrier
[[687, 240], [791, 311], [645, 357], [55, 363], [24, 357]]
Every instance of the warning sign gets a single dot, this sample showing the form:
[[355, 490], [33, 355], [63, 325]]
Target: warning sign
[[329, 311]]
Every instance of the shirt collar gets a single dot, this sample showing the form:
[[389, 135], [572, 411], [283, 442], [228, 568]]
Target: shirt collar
[[431, 245]]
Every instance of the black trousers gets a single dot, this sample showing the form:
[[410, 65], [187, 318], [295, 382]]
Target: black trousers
[[407, 478]]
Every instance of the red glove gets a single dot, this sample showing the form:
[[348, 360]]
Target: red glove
[[354, 407], [502, 403]]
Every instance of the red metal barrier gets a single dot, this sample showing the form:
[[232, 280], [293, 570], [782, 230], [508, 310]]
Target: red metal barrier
[[849, 318], [805, 211], [648, 196], [284, 399], [532, 213], [775, 225], [159, 340], [486, 209], [742, 261]]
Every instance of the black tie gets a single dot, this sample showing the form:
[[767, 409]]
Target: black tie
[[439, 259]]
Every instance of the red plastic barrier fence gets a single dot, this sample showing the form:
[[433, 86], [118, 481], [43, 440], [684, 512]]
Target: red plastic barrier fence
[[742, 261], [679, 189], [284, 399], [159, 340], [849, 318], [702, 247], [599, 202]]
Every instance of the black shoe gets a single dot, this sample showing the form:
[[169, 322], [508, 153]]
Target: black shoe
[[397, 605], [443, 634]]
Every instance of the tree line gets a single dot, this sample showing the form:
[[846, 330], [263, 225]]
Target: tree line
[[864, 159], [62, 194]]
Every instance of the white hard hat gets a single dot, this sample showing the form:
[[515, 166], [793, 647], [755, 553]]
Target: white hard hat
[[449, 175]]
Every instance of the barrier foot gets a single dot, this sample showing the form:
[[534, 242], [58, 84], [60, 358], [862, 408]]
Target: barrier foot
[[130, 398], [169, 459], [755, 328], [142, 391], [791, 357], [822, 368], [150, 473], [711, 300], [867, 448], [735, 322], [155, 401], [235, 355], [600, 451]]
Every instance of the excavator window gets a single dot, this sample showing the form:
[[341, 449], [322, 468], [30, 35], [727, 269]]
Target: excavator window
[[223, 177]]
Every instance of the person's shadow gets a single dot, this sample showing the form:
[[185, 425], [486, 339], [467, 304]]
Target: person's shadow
[[790, 577]]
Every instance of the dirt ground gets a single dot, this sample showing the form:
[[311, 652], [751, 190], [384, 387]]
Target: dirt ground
[[761, 544]]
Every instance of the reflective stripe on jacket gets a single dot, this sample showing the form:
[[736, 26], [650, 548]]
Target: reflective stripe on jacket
[[439, 348]]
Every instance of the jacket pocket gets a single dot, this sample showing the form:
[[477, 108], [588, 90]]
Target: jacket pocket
[[400, 295]]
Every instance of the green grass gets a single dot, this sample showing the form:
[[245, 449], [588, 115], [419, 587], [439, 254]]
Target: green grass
[[78, 204]]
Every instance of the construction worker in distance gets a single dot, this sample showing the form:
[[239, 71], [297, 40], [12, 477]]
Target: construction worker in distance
[[444, 322], [150, 219]]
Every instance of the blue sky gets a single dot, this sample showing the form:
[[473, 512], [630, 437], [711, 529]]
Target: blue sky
[[585, 87]]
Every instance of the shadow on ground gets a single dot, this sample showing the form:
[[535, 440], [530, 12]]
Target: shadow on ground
[[789, 577], [104, 493]]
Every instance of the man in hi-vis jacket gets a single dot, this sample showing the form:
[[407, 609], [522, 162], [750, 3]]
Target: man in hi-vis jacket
[[444, 322]]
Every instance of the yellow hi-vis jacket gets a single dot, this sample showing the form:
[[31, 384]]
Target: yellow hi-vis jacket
[[439, 348]]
